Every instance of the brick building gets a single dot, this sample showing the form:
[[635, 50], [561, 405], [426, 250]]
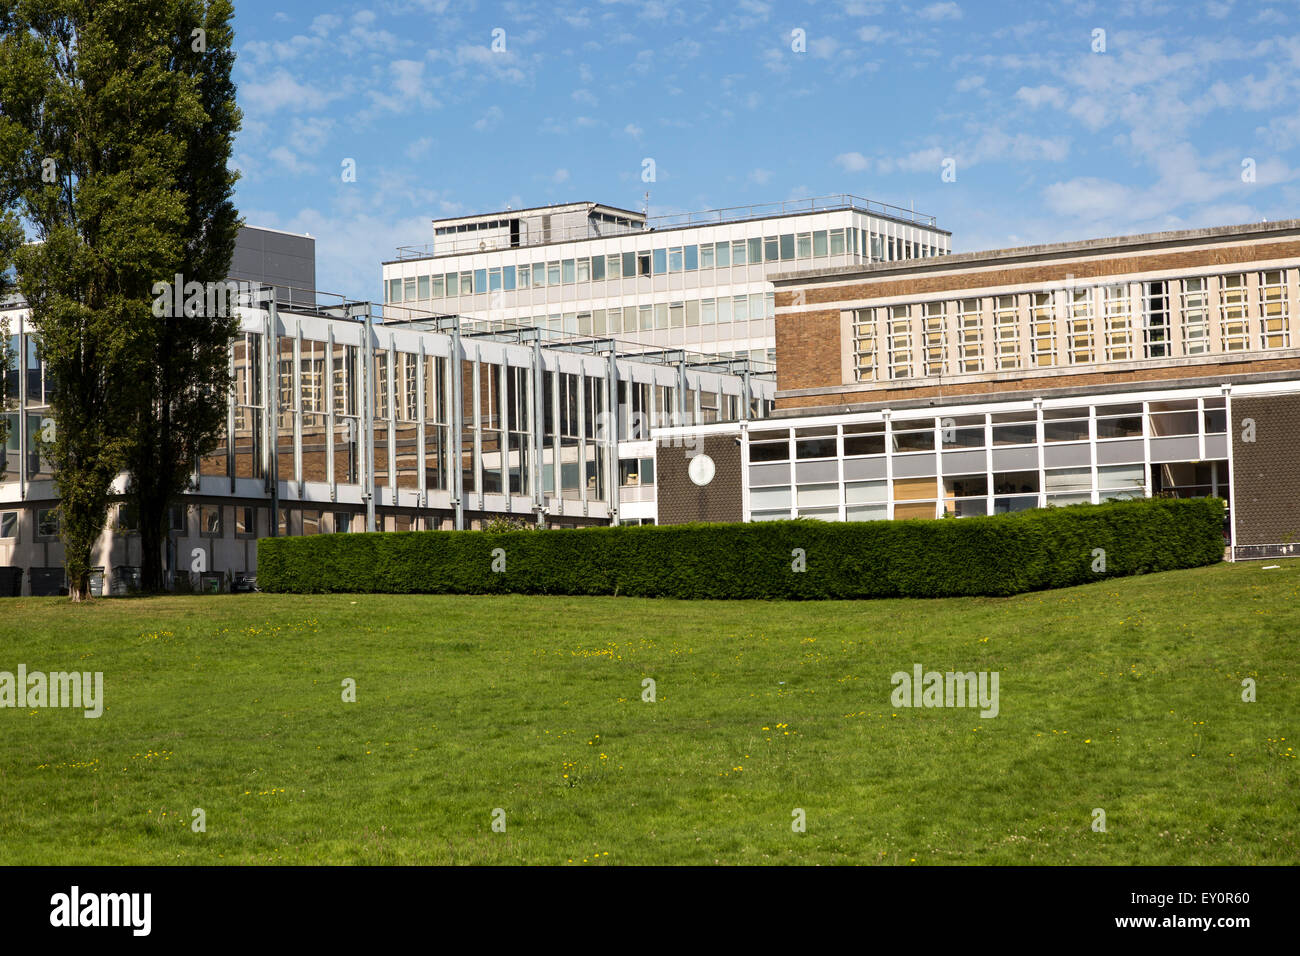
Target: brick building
[[976, 383]]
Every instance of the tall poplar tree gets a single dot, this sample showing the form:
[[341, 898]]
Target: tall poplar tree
[[183, 415]]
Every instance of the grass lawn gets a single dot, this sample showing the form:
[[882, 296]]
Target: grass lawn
[[1124, 695]]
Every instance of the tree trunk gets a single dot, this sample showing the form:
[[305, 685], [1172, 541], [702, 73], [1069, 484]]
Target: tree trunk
[[153, 524], [79, 587]]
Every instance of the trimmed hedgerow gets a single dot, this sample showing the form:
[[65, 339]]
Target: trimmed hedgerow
[[993, 555]]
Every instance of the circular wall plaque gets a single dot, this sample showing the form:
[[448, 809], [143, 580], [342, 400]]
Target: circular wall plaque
[[701, 469]]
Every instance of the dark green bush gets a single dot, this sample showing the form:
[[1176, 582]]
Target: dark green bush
[[995, 555]]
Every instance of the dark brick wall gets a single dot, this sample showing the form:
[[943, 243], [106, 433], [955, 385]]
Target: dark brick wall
[[680, 500], [1266, 472]]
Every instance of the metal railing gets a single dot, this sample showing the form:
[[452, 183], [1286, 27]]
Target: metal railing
[[706, 217]]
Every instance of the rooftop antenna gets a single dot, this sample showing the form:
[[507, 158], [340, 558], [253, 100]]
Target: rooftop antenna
[[645, 206]]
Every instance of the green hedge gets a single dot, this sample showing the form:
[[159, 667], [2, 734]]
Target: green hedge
[[995, 555]]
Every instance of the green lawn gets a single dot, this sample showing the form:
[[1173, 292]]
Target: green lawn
[[1123, 695]]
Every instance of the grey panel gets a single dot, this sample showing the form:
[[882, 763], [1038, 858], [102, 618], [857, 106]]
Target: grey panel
[[963, 462], [777, 473], [1064, 456], [1015, 459], [810, 471], [1186, 448], [914, 466], [1216, 446], [1119, 452], [856, 469]]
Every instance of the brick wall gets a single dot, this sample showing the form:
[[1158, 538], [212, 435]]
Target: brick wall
[[1266, 471], [680, 500]]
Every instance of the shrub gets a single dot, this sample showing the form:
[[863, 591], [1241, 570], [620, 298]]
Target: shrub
[[993, 555]]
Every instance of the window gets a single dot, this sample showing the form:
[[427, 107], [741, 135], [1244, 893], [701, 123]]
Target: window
[[660, 261], [867, 438], [1065, 424], [8, 524], [1080, 327], [1155, 325], [128, 521], [754, 249], [900, 341], [1006, 331], [584, 270], [633, 472], [539, 274], [245, 522], [1232, 313], [803, 246], [1274, 326], [614, 266], [552, 273], [1119, 324], [1042, 319], [706, 255], [837, 242], [342, 522], [819, 244], [787, 247], [775, 448], [1119, 421], [692, 256], [567, 271], [48, 523], [508, 278], [769, 250], [1196, 317], [970, 336], [210, 521], [674, 260], [708, 312], [934, 338]]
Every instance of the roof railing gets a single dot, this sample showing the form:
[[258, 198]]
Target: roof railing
[[706, 217]]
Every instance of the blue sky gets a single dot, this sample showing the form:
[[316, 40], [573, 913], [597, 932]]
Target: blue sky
[[1050, 137]]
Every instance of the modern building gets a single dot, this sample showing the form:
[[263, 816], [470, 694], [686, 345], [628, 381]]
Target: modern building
[[286, 261], [985, 382], [699, 281], [353, 417]]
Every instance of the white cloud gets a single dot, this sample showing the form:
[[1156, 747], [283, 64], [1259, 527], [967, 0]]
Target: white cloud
[[280, 91], [852, 162], [1036, 96], [419, 148], [490, 119], [940, 11]]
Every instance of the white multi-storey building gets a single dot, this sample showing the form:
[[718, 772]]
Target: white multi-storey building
[[695, 281]]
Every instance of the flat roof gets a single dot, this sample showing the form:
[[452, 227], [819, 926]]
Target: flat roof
[[692, 220], [552, 207], [1058, 250]]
